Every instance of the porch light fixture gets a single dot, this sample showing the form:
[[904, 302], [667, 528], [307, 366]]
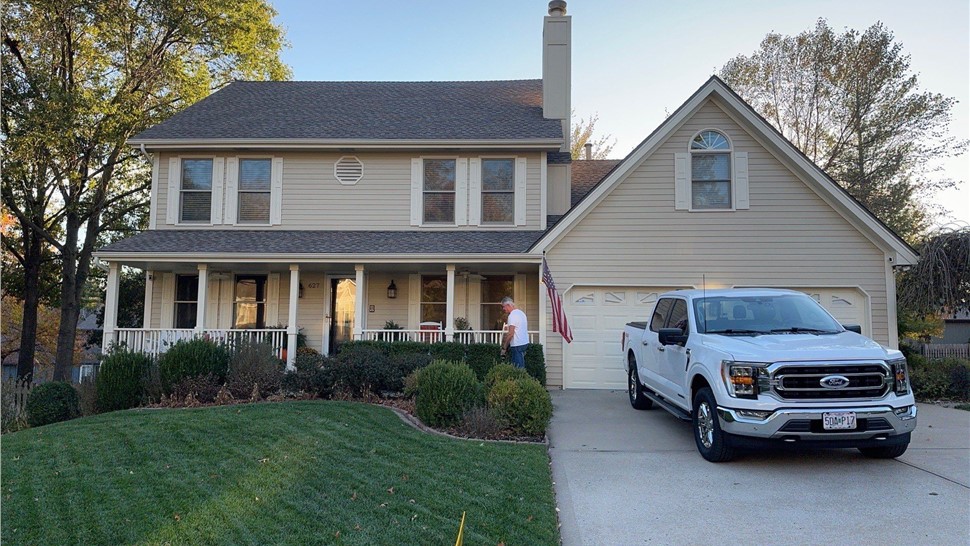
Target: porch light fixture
[[301, 290], [391, 290]]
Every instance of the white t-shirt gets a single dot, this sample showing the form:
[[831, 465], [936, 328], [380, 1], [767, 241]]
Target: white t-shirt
[[517, 319]]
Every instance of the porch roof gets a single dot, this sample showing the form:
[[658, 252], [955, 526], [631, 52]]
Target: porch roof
[[275, 242]]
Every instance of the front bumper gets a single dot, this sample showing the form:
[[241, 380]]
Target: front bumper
[[877, 423]]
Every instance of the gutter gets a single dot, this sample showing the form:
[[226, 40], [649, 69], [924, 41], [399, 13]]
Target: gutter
[[344, 144]]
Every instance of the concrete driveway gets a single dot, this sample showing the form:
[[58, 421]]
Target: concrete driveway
[[634, 477]]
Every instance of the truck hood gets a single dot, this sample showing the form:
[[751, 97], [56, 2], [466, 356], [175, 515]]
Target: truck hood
[[800, 347]]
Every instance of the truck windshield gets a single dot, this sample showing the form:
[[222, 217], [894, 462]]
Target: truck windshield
[[758, 315]]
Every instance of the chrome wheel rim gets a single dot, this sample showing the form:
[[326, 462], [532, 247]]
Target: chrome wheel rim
[[632, 384], [705, 425]]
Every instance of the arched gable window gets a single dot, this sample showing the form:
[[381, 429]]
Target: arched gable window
[[710, 167]]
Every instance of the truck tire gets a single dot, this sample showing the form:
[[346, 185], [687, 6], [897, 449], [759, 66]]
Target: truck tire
[[712, 442], [887, 452], [637, 399]]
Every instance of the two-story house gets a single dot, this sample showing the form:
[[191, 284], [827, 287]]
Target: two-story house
[[338, 208]]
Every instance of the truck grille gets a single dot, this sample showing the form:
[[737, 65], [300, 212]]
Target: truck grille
[[803, 381]]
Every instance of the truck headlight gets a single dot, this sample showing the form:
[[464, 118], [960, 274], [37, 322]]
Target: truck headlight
[[900, 376], [742, 378]]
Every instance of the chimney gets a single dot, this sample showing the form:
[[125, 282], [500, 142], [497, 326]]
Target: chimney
[[556, 69], [589, 150]]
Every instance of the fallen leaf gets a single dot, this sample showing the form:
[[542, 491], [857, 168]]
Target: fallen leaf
[[357, 527], [383, 504], [528, 518], [390, 490], [264, 460], [404, 477], [354, 496], [337, 534], [414, 517], [178, 517]]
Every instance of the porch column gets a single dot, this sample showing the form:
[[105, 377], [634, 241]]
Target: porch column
[[292, 328], [202, 303], [111, 307], [450, 304], [359, 315], [146, 321]]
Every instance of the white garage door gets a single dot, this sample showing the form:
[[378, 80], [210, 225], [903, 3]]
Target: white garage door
[[597, 316], [594, 359]]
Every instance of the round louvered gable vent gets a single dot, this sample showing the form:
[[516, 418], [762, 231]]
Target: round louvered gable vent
[[348, 170]]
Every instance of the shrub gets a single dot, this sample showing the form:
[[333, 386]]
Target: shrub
[[482, 356], [310, 376], [479, 422], [254, 364], [193, 358], [87, 396], [946, 378], [52, 402], [120, 383], [446, 391], [361, 369], [535, 362], [522, 405], [445, 350], [201, 388], [405, 365], [502, 372]]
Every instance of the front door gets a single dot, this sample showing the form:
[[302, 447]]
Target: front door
[[343, 302]]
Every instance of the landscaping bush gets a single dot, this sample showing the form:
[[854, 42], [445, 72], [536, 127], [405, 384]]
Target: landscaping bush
[[522, 405], [310, 376], [254, 364], [405, 365], [482, 356], [946, 378], [201, 388], [452, 351], [52, 402], [193, 358], [120, 383], [87, 396], [535, 362], [446, 391], [503, 372], [361, 369], [479, 422]]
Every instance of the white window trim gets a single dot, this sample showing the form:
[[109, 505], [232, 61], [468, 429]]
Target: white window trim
[[461, 191], [683, 176], [173, 213], [232, 190]]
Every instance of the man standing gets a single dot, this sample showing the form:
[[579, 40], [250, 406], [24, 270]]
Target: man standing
[[517, 335]]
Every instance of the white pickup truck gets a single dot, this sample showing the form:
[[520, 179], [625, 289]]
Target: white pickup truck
[[760, 367]]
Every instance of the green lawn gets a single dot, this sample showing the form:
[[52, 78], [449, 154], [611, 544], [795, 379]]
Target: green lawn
[[296, 472]]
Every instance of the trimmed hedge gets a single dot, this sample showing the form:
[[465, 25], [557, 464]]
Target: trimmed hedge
[[120, 383], [193, 358], [522, 405], [52, 402], [503, 372], [446, 392], [254, 365], [937, 379], [535, 362]]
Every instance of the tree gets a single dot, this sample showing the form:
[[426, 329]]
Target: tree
[[79, 79], [583, 133], [849, 103], [11, 320], [940, 281]]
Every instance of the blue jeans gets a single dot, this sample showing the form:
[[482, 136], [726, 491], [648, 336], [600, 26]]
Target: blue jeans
[[517, 356]]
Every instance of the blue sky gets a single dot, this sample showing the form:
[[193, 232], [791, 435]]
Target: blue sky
[[633, 61]]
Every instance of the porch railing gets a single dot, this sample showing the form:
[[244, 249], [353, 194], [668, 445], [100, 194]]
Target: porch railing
[[156, 341], [435, 336]]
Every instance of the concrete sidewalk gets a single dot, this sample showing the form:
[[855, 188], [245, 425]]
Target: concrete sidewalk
[[634, 477]]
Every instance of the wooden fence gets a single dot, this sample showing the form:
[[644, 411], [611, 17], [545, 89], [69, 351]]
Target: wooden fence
[[946, 350]]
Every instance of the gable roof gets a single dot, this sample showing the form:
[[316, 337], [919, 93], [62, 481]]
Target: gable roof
[[851, 209], [345, 112], [586, 174]]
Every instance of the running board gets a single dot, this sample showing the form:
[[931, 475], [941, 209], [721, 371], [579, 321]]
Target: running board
[[662, 402]]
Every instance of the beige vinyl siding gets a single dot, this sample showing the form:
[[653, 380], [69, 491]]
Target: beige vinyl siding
[[158, 298], [313, 198], [788, 237], [385, 309], [310, 308]]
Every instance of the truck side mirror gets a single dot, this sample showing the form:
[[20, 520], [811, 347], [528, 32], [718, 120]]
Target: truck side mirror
[[853, 328], [671, 336]]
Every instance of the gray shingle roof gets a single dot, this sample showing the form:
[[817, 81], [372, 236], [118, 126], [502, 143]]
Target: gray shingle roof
[[324, 242], [586, 174], [484, 110]]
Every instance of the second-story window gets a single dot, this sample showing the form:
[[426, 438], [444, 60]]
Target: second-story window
[[710, 165], [195, 193], [498, 191], [255, 179], [439, 191]]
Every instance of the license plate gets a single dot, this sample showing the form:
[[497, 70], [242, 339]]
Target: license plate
[[843, 420]]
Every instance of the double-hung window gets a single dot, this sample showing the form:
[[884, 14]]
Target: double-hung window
[[434, 296], [255, 191], [494, 288], [498, 191], [186, 300], [250, 302], [195, 192], [439, 191], [710, 166]]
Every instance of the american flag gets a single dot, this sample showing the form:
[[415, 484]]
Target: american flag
[[559, 323]]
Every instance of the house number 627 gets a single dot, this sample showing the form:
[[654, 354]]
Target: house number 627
[[313, 285]]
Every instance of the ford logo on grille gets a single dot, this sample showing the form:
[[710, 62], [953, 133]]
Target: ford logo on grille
[[834, 381]]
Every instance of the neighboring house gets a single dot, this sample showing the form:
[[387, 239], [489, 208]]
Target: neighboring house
[[956, 328], [335, 207]]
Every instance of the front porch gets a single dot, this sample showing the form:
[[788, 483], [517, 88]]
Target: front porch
[[325, 304]]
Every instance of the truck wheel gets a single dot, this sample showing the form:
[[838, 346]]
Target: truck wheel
[[711, 441], [637, 399], [888, 452]]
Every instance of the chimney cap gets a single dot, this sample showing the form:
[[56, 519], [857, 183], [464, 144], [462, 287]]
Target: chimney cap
[[589, 150], [557, 8]]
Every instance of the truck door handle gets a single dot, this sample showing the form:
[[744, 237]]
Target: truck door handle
[[645, 342], [661, 348]]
